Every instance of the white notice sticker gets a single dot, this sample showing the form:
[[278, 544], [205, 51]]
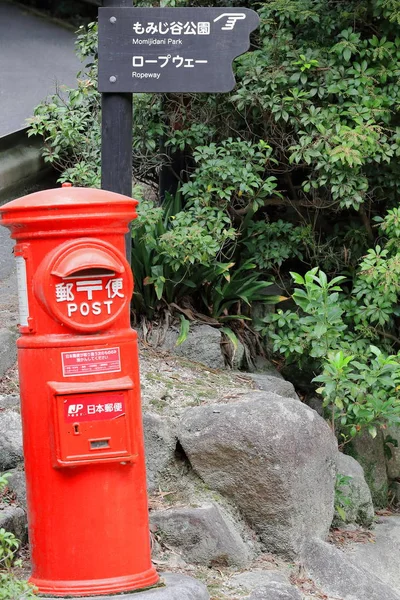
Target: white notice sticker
[[22, 291]]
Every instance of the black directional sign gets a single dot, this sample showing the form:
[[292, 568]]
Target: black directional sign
[[171, 49]]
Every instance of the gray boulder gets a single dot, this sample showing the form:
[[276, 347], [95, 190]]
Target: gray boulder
[[260, 310], [369, 452], [233, 355], [381, 558], [160, 443], [264, 585], [203, 535], [17, 485], [13, 519], [393, 463], [337, 575], [316, 403], [300, 376], [11, 452], [276, 385], [8, 350], [396, 491], [203, 345], [276, 591], [260, 364], [9, 402], [274, 458], [248, 581], [360, 508]]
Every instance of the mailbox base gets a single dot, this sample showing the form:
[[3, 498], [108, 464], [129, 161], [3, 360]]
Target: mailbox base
[[173, 586], [113, 585]]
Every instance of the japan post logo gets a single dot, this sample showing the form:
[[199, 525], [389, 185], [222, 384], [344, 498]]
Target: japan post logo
[[74, 409]]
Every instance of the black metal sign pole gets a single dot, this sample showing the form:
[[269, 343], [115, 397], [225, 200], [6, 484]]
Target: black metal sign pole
[[116, 138]]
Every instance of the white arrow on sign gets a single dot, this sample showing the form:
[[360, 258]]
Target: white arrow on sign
[[231, 20]]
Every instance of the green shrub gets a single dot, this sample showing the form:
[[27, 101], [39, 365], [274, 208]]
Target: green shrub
[[310, 131], [177, 257], [350, 336], [342, 502], [361, 394], [287, 172], [11, 588]]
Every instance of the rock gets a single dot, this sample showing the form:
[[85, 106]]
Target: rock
[[203, 345], [259, 364], [276, 385], [13, 519], [160, 445], [203, 535], [8, 350], [274, 458], [249, 581], [177, 587], [276, 591], [315, 402], [260, 310], [10, 401], [382, 558], [301, 377], [393, 463], [17, 484], [369, 452], [396, 491], [10, 440], [234, 358], [265, 585], [338, 576], [360, 508]]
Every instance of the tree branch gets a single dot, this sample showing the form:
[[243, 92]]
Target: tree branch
[[366, 222], [389, 336]]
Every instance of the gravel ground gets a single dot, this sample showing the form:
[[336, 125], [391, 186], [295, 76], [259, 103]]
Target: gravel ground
[[170, 384]]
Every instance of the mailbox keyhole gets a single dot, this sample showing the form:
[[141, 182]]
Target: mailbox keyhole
[[76, 429]]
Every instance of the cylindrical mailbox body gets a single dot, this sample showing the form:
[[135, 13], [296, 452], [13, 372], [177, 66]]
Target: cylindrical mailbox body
[[80, 393]]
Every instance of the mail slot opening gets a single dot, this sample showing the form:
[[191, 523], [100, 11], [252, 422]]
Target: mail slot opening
[[89, 260], [91, 273], [99, 444]]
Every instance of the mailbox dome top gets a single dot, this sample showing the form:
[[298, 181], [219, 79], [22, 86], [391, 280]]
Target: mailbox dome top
[[67, 195], [68, 209]]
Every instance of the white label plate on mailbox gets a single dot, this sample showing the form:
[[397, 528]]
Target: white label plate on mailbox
[[22, 291], [91, 362]]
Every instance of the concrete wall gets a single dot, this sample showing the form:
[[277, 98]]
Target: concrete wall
[[21, 163]]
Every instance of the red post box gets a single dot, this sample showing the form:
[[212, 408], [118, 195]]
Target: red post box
[[80, 394]]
